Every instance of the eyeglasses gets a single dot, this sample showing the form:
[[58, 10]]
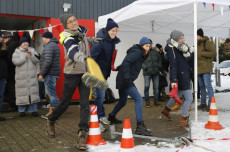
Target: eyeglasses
[[71, 22]]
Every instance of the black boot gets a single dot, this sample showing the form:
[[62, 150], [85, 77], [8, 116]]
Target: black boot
[[114, 120], [202, 106], [2, 118], [147, 104], [156, 102], [142, 130]]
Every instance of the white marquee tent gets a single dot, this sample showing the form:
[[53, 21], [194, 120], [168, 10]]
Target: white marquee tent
[[157, 18]]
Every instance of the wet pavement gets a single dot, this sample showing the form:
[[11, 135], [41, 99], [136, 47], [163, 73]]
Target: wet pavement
[[26, 134]]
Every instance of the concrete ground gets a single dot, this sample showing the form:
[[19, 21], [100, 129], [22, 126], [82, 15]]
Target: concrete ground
[[29, 133]]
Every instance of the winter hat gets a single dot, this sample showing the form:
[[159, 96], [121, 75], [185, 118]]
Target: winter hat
[[144, 40], [48, 35], [64, 18], [22, 40], [111, 24], [176, 35], [200, 32], [158, 46], [6, 34]]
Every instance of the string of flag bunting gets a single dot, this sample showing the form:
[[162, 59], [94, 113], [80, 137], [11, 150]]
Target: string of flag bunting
[[31, 32], [213, 6]]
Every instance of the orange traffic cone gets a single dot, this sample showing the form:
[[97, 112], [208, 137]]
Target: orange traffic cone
[[127, 142], [213, 121], [94, 137]]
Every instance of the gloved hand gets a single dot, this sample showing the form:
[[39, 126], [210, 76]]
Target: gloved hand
[[126, 83], [37, 56], [97, 40], [83, 59]]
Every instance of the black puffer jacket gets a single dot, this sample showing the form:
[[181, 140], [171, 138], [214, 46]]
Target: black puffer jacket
[[50, 59], [3, 63]]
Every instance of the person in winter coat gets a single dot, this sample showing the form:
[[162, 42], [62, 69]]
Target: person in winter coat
[[11, 45], [76, 51], [127, 74], [177, 52], [205, 53], [102, 53], [25, 59], [151, 67], [163, 75], [3, 69], [50, 68]]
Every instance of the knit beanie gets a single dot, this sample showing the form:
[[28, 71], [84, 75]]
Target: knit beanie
[[64, 18], [176, 35], [144, 40], [158, 46], [111, 24], [22, 40], [200, 32], [48, 35]]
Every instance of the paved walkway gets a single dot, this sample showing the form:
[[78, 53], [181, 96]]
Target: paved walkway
[[28, 134]]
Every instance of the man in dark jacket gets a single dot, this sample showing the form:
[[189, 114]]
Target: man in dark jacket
[[3, 69], [102, 53], [50, 68], [127, 74], [151, 67], [11, 45], [177, 52], [205, 53]]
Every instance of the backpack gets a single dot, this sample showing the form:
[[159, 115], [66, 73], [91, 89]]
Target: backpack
[[109, 96]]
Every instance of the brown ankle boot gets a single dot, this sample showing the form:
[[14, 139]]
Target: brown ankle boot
[[183, 122], [166, 111], [50, 128], [176, 106]]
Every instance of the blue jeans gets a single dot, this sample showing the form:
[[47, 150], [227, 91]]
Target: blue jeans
[[155, 79], [99, 102], [133, 93], [205, 83], [188, 101], [2, 89], [50, 85], [31, 108]]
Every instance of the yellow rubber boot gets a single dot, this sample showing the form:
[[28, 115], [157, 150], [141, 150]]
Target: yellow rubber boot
[[175, 107]]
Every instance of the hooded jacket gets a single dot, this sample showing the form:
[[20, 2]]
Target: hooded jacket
[[50, 59], [205, 54], [130, 67], [26, 86], [102, 52]]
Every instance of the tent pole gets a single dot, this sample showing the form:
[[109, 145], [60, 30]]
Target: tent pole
[[195, 57]]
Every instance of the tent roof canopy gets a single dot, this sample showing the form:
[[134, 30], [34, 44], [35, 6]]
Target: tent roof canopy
[[166, 15]]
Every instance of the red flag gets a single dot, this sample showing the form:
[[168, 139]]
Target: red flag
[[41, 31], [20, 33], [213, 6]]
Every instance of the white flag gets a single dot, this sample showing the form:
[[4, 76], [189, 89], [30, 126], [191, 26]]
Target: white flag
[[31, 33]]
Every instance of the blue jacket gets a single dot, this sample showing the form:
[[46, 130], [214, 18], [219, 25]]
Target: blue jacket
[[179, 67], [102, 52], [50, 59], [130, 67]]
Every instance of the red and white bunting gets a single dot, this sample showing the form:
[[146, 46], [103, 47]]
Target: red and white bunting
[[20, 33], [31, 32], [41, 31], [50, 29]]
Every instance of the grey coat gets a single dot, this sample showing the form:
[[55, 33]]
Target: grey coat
[[50, 59], [26, 86]]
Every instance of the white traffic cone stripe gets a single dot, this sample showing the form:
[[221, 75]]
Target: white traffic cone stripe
[[213, 118], [94, 109], [127, 150], [93, 118], [213, 106], [127, 133], [94, 131]]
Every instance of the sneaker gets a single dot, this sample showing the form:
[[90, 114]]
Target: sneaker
[[114, 120], [147, 104], [202, 106], [22, 114], [91, 81], [2, 118], [81, 138], [206, 108], [142, 130], [105, 121], [102, 128]]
